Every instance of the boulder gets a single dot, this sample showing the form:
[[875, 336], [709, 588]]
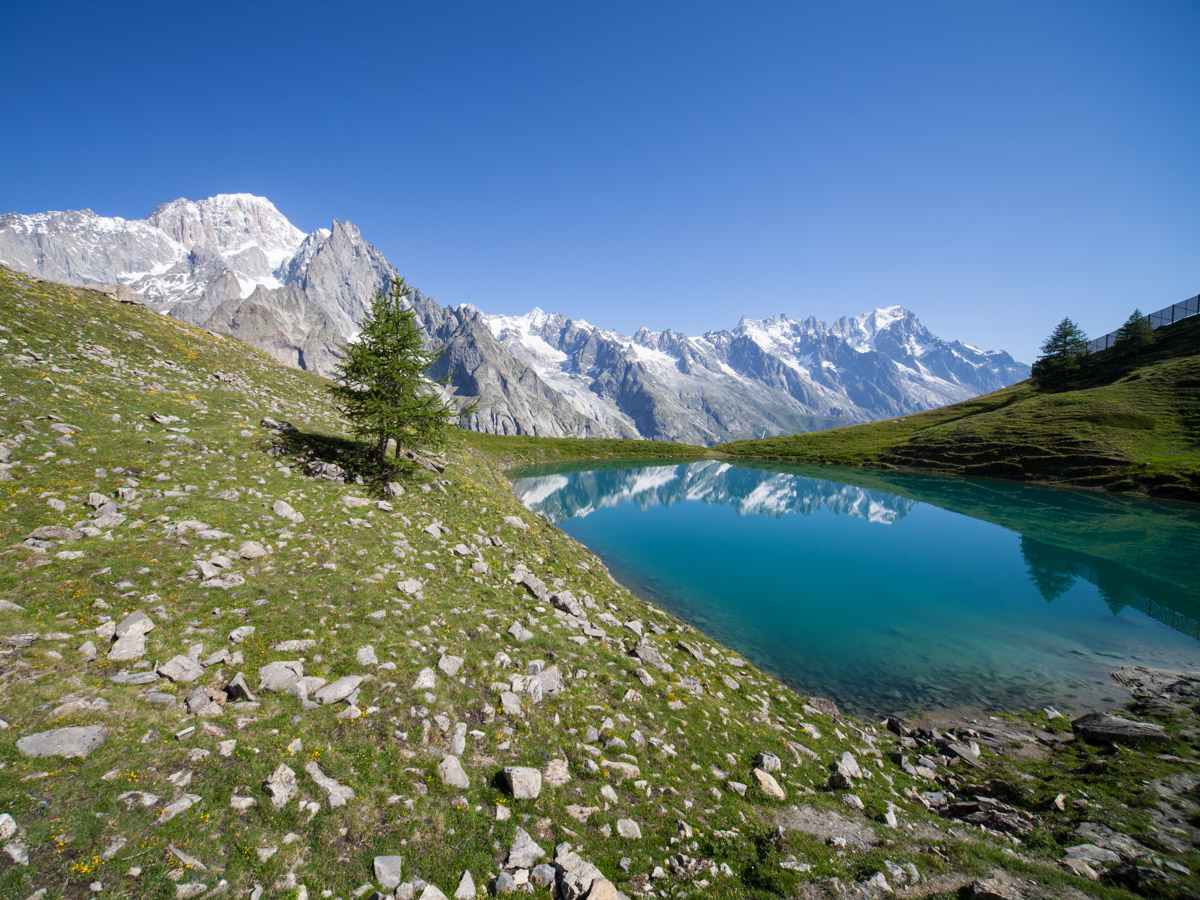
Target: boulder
[[338, 690], [279, 676], [523, 782], [524, 851], [1102, 728], [451, 772], [76, 742]]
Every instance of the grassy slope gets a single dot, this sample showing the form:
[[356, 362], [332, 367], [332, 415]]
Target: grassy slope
[[1134, 430], [75, 359]]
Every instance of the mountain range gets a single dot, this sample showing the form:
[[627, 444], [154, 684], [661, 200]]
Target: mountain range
[[234, 264]]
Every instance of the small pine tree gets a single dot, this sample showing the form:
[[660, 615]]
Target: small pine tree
[[382, 386], [1062, 355], [1136, 333]]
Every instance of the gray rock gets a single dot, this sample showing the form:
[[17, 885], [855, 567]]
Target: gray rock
[[993, 889], [75, 742], [137, 622], [316, 468], [556, 773], [1092, 855], [650, 656], [520, 632], [337, 794], [366, 656], [1102, 836], [847, 766], [768, 762], [237, 689], [284, 510], [181, 669], [504, 884], [252, 550], [466, 887], [627, 828], [338, 690], [281, 785], [55, 533], [1104, 728], [542, 875], [279, 676], [387, 871], [128, 648], [522, 782], [450, 665], [524, 851], [451, 772], [239, 634]]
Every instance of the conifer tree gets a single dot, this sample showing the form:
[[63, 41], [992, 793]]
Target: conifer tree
[[1062, 355], [382, 387], [1136, 333]]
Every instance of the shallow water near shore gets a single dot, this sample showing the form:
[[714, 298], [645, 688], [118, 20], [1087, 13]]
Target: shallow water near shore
[[898, 593]]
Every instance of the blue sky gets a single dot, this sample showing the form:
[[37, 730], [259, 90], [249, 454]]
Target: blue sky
[[993, 166]]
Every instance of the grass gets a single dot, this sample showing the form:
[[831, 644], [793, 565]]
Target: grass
[[1129, 425], [81, 378]]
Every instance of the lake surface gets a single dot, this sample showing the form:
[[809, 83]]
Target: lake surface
[[898, 593]]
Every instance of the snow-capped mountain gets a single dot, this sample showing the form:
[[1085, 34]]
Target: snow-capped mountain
[[766, 376], [560, 497], [233, 263]]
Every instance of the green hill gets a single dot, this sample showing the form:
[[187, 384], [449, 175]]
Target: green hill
[[1130, 425], [186, 618]]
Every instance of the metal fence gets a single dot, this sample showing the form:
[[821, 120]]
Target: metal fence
[[1164, 316]]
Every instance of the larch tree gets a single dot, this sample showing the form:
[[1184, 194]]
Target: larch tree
[[382, 387]]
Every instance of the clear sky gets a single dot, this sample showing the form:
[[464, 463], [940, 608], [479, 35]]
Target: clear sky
[[993, 166]]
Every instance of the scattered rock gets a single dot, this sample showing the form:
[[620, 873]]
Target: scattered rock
[[338, 690], [523, 782], [1102, 728], [387, 871], [76, 742], [337, 794], [281, 785], [451, 772], [768, 784], [524, 851], [181, 669], [284, 510]]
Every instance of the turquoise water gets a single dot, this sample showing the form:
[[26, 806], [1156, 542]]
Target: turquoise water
[[896, 594]]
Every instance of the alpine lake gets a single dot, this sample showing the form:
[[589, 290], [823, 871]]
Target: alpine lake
[[897, 593]]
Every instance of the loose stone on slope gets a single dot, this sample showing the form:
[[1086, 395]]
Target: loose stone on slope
[[75, 742], [524, 851], [451, 772], [337, 794], [523, 782], [338, 690], [281, 785], [387, 871]]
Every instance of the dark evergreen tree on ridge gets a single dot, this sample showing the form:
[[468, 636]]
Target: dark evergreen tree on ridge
[[1062, 355], [382, 386], [1136, 333]]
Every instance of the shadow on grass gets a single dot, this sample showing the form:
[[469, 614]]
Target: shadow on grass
[[336, 458]]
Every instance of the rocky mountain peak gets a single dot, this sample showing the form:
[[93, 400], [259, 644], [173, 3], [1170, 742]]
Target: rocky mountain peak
[[229, 224]]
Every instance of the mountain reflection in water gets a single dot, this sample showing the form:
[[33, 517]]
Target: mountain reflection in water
[[939, 607], [559, 497]]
